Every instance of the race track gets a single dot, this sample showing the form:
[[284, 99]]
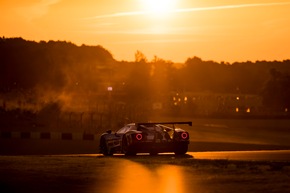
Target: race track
[[88, 173]]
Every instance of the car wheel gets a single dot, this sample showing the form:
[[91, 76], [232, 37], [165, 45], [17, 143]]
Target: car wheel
[[125, 148], [103, 147], [181, 149]]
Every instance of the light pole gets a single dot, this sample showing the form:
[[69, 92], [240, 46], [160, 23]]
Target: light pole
[[110, 89]]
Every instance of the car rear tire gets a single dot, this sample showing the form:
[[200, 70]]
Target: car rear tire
[[104, 147], [181, 149], [125, 148]]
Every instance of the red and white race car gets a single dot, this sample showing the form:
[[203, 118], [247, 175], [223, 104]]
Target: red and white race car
[[151, 138]]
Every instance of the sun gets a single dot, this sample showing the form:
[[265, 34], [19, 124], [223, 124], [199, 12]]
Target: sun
[[158, 7]]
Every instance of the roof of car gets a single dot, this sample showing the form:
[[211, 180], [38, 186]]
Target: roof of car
[[166, 123]]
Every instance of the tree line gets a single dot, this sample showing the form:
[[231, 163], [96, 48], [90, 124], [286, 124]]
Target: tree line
[[41, 71]]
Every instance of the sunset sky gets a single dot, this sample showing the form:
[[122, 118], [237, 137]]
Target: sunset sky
[[224, 30]]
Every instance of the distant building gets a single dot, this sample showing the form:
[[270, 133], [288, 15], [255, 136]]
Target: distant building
[[207, 104]]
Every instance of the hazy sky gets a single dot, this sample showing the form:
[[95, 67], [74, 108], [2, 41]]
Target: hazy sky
[[224, 30]]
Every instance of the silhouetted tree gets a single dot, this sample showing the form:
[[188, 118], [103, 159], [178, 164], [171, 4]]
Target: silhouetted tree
[[137, 82], [276, 93], [140, 57], [160, 76]]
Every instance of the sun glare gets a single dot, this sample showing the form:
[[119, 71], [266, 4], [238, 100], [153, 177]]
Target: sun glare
[[158, 7]]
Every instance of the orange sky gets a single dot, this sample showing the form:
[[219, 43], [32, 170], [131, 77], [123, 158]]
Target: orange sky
[[224, 30]]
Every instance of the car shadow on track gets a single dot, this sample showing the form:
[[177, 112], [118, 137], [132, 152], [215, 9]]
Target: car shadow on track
[[162, 158]]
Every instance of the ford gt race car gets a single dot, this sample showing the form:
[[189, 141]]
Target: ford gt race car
[[150, 138]]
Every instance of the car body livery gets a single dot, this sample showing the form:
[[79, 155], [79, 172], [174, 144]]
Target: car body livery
[[150, 138]]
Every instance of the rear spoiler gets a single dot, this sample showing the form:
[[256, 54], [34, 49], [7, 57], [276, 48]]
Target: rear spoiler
[[166, 123]]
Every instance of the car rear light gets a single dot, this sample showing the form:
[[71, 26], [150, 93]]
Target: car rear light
[[184, 135], [139, 136]]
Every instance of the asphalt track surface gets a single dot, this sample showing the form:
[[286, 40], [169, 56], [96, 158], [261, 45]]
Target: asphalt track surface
[[264, 155], [206, 172]]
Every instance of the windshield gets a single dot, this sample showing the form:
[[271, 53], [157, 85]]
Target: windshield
[[126, 129]]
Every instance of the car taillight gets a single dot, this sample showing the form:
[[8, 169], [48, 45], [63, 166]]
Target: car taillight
[[139, 136], [184, 135]]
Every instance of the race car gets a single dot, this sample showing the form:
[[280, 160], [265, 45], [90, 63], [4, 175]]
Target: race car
[[150, 138]]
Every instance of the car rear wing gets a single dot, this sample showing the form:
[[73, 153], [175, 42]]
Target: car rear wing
[[167, 123]]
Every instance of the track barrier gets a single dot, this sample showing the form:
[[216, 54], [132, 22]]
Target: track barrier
[[48, 135]]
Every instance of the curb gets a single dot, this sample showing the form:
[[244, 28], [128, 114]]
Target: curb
[[47, 135]]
